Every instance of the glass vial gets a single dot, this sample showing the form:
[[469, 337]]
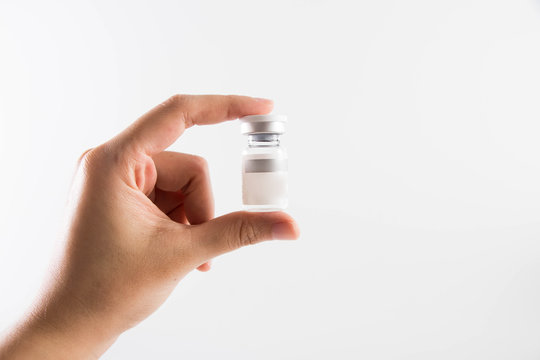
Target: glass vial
[[264, 163]]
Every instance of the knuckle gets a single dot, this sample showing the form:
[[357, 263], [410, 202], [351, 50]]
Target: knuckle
[[246, 233], [200, 163], [177, 100], [84, 156], [180, 103], [94, 158], [87, 159]]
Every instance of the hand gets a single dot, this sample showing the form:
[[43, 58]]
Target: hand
[[140, 220]]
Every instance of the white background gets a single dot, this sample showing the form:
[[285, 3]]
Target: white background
[[414, 167]]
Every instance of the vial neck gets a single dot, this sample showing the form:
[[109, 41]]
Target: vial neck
[[263, 140]]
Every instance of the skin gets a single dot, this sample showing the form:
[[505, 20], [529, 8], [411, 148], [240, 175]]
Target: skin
[[140, 219]]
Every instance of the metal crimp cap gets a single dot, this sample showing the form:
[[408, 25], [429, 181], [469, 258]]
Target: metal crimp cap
[[263, 124]]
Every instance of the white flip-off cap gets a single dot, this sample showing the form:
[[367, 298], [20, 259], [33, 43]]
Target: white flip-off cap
[[263, 124]]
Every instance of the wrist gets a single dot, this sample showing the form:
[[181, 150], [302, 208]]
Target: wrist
[[57, 332]]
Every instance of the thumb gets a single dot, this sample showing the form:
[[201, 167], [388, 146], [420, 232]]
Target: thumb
[[232, 231]]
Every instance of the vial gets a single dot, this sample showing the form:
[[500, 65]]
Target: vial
[[264, 163]]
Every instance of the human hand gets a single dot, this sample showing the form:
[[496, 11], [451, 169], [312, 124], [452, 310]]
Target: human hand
[[140, 219]]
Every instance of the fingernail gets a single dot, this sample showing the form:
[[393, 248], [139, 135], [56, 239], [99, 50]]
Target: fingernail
[[284, 231], [262, 99]]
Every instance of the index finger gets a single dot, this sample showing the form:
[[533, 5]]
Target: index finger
[[160, 127]]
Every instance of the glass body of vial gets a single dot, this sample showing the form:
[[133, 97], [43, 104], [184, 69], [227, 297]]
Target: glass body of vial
[[264, 163]]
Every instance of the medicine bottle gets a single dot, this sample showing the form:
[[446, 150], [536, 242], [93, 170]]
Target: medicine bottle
[[264, 163]]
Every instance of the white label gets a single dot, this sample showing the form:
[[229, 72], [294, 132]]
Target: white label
[[264, 188]]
